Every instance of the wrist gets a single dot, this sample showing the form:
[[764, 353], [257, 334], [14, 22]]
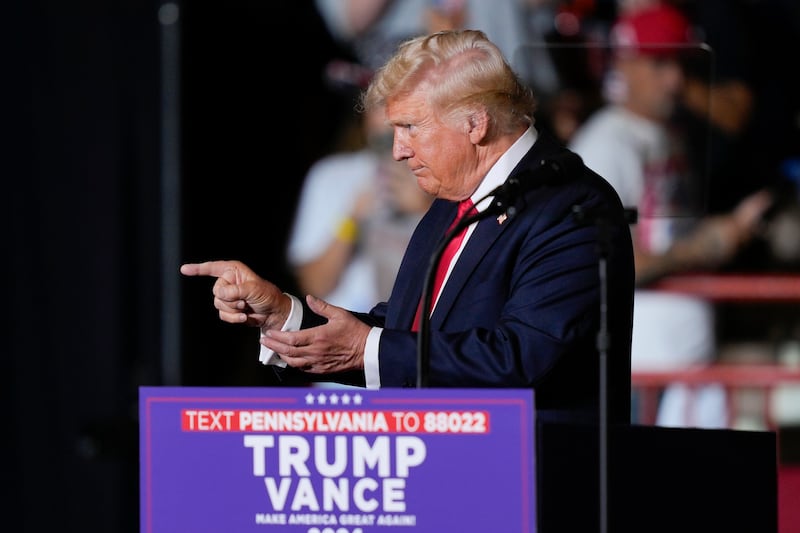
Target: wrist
[[279, 319]]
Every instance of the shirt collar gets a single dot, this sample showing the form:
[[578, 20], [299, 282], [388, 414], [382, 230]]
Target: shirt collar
[[503, 167]]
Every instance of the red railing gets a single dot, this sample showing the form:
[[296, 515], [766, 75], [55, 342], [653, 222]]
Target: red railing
[[743, 288], [735, 287], [734, 377]]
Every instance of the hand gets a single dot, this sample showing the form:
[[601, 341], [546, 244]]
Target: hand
[[365, 204], [719, 238], [404, 195], [749, 213], [336, 346], [241, 296]]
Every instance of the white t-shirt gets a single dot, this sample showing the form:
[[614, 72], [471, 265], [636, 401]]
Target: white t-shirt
[[329, 192], [648, 168]]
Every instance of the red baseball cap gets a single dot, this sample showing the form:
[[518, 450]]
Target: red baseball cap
[[657, 30]]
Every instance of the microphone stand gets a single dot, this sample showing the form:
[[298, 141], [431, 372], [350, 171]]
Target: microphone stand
[[501, 203], [603, 341], [424, 334]]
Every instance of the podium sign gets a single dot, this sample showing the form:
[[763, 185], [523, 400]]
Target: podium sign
[[313, 460]]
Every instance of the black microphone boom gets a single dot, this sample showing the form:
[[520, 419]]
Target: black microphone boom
[[553, 170]]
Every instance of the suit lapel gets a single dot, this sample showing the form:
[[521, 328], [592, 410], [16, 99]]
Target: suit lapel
[[477, 247], [411, 276], [485, 234]]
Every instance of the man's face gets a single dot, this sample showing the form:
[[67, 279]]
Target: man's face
[[654, 84], [440, 154]]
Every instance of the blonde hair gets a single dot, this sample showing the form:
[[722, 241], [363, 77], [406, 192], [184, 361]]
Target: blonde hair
[[460, 71]]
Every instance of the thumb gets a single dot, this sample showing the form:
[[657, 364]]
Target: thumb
[[320, 306]]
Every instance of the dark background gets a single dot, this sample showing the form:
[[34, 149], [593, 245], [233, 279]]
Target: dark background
[[82, 114]]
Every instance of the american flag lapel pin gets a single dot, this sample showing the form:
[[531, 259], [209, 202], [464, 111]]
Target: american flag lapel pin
[[502, 218]]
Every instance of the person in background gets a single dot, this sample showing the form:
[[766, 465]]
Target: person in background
[[354, 218], [520, 301], [538, 37], [750, 99], [634, 143], [373, 28]]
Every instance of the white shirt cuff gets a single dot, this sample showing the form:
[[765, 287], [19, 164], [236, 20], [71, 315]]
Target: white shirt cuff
[[269, 357], [372, 375]]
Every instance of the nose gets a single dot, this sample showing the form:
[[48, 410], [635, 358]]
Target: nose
[[400, 149], [673, 75]]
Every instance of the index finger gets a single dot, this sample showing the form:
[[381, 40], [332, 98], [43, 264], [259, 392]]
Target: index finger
[[208, 268]]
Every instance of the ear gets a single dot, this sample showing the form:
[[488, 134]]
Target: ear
[[478, 126]]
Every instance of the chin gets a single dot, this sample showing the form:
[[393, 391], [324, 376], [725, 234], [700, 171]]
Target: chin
[[424, 184]]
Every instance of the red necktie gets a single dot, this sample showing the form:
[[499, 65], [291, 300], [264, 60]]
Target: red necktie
[[464, 207]]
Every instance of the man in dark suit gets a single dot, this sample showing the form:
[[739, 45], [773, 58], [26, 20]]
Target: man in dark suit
[[523, 304]]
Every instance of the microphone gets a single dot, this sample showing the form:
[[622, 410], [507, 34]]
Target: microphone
[[553, 170]]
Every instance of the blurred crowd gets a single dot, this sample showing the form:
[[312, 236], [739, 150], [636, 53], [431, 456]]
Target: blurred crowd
[[690, 108]]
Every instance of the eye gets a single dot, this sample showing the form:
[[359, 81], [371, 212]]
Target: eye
[[406, 129]]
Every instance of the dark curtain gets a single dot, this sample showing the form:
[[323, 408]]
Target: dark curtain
[[82, 224]]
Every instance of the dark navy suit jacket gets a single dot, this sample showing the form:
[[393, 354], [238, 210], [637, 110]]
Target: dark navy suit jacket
[[522, 305]]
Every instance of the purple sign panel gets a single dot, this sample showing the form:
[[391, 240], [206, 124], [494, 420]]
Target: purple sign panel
[[314, 460]]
